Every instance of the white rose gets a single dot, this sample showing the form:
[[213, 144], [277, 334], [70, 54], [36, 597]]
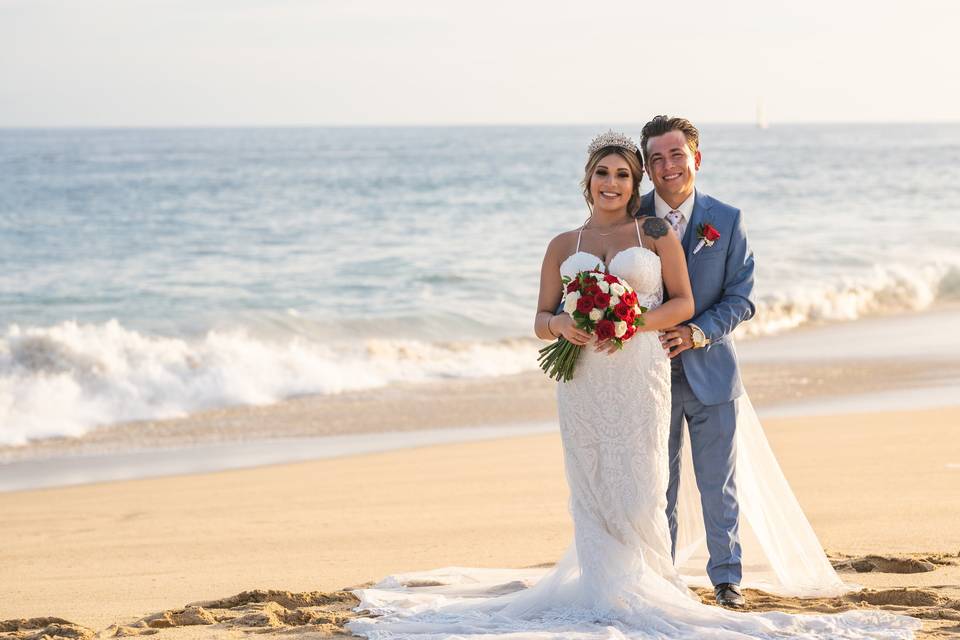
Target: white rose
[[619, 328], [604, 286], [617, 289], [570, 304], [614, 301], [596, 314]]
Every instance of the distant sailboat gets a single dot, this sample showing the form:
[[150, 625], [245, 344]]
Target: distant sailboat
[[761, 115]]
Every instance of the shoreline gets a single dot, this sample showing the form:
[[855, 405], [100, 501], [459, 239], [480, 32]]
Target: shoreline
[[431, 412], [837, 368], [521, 401], [94, 468]]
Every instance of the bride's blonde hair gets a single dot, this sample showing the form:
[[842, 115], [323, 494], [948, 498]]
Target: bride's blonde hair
[[633, 161]]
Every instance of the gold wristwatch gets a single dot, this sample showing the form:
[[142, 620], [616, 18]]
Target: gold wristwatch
[[696, 334]]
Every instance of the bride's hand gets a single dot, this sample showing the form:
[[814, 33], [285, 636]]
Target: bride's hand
[[565, 326]]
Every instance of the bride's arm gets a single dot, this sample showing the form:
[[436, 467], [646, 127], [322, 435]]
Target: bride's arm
[[548, 325], [675, 277]]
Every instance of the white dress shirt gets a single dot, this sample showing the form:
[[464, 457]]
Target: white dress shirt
[[661, 208]]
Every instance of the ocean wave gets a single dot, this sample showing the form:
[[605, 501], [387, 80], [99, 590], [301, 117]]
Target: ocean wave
[[66, 379], [886, 290], [69, 378]]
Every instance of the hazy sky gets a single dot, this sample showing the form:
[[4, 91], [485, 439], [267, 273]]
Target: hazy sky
[[288, 62]]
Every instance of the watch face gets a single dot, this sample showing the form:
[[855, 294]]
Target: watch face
[[698, 338]]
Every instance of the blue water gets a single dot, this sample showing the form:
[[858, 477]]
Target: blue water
[[153, 272]]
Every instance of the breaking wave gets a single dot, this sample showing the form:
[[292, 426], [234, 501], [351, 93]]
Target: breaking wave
[[66, 379]]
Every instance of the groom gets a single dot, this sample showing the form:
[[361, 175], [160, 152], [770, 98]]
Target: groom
[[704, 371]]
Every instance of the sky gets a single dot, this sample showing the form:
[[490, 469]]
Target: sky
[[447, 62]]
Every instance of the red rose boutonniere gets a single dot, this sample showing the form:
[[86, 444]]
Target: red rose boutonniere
[[708, 234]]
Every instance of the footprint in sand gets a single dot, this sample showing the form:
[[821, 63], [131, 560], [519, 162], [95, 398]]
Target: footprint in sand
[[257, 611], [39, 628], [891, 564]]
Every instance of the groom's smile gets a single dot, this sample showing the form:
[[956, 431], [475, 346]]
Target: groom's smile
[[672, 166]]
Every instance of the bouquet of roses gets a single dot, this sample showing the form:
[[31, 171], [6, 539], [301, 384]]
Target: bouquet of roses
[[599, 303]]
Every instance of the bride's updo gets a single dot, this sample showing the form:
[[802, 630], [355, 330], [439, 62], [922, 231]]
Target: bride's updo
[[620, 144]]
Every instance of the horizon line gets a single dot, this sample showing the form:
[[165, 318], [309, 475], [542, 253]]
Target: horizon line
[[451, 125]]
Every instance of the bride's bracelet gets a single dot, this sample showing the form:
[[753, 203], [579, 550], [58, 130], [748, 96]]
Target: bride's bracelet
[[549, 329]]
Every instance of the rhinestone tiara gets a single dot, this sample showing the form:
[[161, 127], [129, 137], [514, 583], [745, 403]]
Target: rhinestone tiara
[[611, 139]]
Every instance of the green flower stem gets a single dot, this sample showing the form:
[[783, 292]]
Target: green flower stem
[[557, 362], [556, 369], [567, 361]]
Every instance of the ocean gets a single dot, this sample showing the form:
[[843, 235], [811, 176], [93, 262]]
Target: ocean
[[152, 273]]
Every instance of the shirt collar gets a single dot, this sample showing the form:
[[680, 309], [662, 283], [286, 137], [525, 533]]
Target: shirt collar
[[661, 208]]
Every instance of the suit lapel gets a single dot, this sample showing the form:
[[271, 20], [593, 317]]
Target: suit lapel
[[690, 234], [646, 205]]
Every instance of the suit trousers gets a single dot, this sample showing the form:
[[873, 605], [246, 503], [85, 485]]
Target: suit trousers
[[712, 430]]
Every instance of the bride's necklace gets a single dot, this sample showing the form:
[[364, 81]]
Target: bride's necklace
[[614, 227]]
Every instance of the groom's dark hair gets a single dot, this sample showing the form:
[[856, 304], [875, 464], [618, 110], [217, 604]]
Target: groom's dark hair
[[665, 124]]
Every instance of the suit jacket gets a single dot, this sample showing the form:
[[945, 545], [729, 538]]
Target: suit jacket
[[722, 280]]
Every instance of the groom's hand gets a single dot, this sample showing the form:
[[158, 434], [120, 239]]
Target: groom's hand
[[676, 340], [608, 346]]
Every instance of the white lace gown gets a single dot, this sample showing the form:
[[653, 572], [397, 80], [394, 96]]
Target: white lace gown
[[618, 579]]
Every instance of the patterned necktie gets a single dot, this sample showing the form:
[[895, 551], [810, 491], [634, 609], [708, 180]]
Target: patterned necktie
[[675, 218]]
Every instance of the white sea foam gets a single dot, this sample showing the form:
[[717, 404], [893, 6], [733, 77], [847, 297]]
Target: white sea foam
[[65, 379], [886, 290]]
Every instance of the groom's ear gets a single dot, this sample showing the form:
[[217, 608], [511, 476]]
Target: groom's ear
[[696, 160]]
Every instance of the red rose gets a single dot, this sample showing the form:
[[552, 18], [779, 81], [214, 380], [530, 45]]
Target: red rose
[[585, 304], [629, 298], [605, 330], [592, 290], [609, 279], [588, 280], [621, 310], [573, 286], [630, 331], [602, 299], [710, 233], [631, 316]]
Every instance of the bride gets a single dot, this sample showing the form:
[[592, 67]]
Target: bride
[[618, 578]]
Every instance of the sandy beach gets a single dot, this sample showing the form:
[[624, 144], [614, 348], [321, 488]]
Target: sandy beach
[[120, 552]]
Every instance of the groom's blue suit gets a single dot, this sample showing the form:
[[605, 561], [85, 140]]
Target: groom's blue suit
[[706, 382]]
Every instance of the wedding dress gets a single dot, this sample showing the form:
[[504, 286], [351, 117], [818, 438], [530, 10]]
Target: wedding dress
[[618, 580]]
